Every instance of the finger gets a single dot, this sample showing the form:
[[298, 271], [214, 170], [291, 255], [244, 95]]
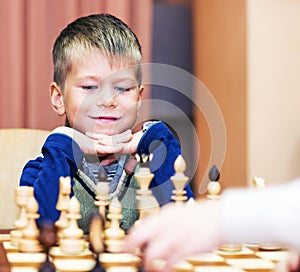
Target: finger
[[164, 252], [129, 148], [294, 262], [140, 234], [103, 136], [96, 136], [173, 258], [122, 137], [109, 149], [155, 255]]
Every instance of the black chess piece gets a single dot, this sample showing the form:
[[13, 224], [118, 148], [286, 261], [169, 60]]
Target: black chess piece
[[141, 268], [96, 240], [214, 173], [48, 239], [102, 175]]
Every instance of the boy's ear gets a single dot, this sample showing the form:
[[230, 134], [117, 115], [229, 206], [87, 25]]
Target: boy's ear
[[56, 97], [141, 91]]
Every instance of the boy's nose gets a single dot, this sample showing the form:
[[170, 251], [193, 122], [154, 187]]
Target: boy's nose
[[107, 98]]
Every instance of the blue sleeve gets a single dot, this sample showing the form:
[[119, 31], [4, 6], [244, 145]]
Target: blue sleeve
[[161, 142], [61, 156]]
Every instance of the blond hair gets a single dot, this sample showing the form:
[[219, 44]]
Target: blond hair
[[103, 32]]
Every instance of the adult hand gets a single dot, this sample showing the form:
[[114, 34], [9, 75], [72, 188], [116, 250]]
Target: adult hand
[[174, 233]]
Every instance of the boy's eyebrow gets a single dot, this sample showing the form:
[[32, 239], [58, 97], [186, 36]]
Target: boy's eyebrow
[[124, 78], [96, 78]]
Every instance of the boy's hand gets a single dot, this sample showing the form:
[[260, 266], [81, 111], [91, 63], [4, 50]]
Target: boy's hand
[[99, 144], [131, 146], [126, 140]]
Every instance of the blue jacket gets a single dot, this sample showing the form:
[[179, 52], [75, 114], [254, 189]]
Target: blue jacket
[[61, 156]]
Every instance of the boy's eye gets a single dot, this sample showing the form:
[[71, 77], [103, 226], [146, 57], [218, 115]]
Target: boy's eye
[[123, 89], [90, 87]]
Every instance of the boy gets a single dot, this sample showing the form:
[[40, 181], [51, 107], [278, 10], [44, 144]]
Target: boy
[[97, 86]]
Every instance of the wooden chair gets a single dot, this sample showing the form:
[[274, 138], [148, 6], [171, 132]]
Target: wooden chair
[[17, 146]]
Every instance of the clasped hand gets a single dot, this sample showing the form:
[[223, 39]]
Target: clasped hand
[[101, 144]]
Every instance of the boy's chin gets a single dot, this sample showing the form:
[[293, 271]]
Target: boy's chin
[[105, 132], [108, 132]]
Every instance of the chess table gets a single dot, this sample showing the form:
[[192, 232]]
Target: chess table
[[249, 259], [4, 264]]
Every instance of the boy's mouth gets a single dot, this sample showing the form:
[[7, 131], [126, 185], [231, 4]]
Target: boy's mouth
[[106, 118]]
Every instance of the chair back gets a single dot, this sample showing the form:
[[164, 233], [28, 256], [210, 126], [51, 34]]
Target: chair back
[[17, 146]]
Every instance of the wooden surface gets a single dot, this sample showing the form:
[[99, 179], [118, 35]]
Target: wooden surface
[[249, 259], [4, 264]]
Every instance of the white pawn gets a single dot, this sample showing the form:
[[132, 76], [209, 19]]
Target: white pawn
[[30, 239], [102, 196], [258, 183], [22, 194], [147, 203], [72, 236], [179, 180], [114, 234], [62, 204]]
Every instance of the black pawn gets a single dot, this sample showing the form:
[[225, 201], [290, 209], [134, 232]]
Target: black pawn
[[48, 239], [214, 173], [98, 266], [141, 268], [102, 175]]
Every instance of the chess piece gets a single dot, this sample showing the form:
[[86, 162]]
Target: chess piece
[[144, 175], [22, 194], [63, 204], [214, 187], [179, 180], [102, 195], [72, 236], [191, 202], [29, 241], [114, 234], [258, 183], [147, 203], [230, 247], [47, 238], [214, 194], [96, 240]]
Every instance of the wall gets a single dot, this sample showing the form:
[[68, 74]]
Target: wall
[[273, 89], [220, 64], [247, 53]]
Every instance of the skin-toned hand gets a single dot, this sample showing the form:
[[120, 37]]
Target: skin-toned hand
[[101, 144], [131, 146], [93, 146], [104, 139], [130, 141], [174, 233]]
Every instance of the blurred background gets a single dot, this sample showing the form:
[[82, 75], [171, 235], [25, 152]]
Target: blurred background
[[245, 52]]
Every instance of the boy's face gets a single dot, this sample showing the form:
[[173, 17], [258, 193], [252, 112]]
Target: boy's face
[[98, 98]]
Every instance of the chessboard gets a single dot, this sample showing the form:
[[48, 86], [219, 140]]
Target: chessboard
[[63, 246], [248, 258]]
